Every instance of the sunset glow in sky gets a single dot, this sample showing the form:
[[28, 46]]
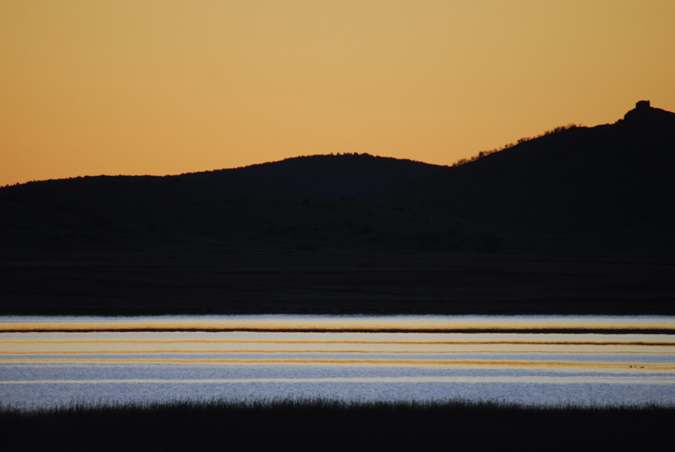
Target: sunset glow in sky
[[168, 86]]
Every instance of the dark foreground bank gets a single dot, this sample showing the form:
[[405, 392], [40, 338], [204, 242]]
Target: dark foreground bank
[[330, 425]]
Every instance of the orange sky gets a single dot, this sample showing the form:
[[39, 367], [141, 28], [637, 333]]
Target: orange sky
[[168, 86]]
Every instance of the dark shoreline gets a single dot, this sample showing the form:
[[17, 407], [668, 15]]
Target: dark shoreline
[[334, 425], [196, 279]]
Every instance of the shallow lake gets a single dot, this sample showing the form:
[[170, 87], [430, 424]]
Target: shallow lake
[[530, 360]]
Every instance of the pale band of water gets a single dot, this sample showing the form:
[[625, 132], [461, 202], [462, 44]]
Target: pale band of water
[[548, 360], [632, 380]]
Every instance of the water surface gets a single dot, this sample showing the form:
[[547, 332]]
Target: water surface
[[536, 359]]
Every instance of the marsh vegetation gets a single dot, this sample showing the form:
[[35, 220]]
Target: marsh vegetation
[[319, 424]]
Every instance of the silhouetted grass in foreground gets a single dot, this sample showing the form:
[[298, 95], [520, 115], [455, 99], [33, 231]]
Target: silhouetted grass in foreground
[[318, 424]]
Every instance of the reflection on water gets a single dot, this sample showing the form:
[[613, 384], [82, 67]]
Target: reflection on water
[[547, 360], [276, 323]]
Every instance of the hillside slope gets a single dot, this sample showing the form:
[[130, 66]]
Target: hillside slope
[[350, 175], [574, 222], [609, 186]]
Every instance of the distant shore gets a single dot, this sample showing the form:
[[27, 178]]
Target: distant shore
[[193, 279]]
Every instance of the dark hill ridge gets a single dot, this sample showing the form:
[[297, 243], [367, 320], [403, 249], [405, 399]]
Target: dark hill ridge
[[610, 185], [287, 209], [350, 175], [589, 190], [579, 221]]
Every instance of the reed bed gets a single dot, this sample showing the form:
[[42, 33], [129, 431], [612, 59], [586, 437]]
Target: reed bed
[[330, 424]]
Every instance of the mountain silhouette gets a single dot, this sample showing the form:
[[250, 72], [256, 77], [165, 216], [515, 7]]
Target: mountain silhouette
[[351, 175], [577, 189], [610, 186], [577, 220]]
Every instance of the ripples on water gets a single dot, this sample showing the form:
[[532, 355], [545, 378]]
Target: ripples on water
[[541, 360]]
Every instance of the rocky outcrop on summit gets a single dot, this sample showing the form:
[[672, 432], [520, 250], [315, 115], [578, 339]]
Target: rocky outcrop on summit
[[645, 113]]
